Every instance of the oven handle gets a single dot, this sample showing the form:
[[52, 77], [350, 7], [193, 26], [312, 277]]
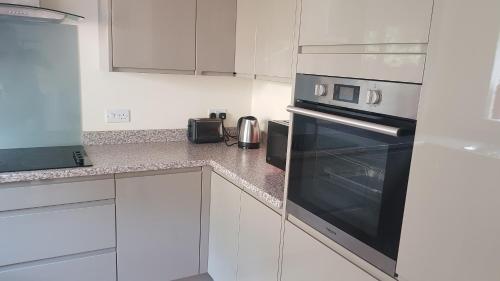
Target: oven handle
[[377, 128]]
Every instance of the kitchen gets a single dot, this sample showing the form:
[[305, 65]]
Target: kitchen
[[355, 140]]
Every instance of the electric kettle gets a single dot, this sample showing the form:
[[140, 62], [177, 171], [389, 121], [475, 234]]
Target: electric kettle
[[248, 133]]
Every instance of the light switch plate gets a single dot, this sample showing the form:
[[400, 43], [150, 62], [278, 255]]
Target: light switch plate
[[118, 116]]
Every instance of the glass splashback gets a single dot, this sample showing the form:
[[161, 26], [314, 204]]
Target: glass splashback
[[39, 85]]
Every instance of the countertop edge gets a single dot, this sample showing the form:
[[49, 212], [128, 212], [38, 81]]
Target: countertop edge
[[42, 175], [264, 197]]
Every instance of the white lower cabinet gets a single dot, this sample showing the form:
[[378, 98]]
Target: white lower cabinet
[[158, 225], [305, 258], [244, 235], [259, 241], [55, 192], [225, 201], [58, 230], [99, 267], [48, 233]]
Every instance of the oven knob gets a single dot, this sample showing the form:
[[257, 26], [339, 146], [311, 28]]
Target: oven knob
[[320, 90], [373, 97]]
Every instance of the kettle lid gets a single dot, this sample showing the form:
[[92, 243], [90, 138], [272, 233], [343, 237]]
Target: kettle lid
[[249, 118]]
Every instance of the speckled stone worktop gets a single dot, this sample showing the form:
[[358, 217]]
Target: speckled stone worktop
[[245, 168]]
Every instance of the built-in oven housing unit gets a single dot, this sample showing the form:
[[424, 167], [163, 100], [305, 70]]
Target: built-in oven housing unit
[[352, 143]]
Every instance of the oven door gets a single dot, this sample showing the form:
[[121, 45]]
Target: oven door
[[348, 178]]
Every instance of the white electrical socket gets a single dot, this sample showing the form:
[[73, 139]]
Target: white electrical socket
[[118, 116], [216, 111]]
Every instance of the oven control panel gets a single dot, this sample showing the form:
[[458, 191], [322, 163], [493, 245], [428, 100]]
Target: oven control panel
[[389, 98]]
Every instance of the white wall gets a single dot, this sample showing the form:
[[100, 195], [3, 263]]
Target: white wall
[[269, 101], [156, 101]]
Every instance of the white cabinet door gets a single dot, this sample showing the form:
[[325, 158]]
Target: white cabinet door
[[393, 67], [340, 22], [224, 228], [154, 34], [246, 28], [244, 235], [42, 233], [305, 258], [99, 267], [55, 192], [451, 226], [215, 36], [275, 29], [158, 226], [259, 241]]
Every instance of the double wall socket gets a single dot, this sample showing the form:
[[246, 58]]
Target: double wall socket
[[216, 111], [118, 116]]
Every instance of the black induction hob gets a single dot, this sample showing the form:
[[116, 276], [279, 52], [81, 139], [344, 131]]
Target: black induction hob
[[41, 158]]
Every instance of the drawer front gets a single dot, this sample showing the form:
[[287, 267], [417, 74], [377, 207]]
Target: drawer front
[[17, 196], [392, 67], [56, 231], [101, 267]]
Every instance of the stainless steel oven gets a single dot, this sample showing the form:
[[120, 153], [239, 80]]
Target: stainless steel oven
[[352, 143]]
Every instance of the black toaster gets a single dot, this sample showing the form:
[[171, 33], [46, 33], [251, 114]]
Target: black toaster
[[205, 130]]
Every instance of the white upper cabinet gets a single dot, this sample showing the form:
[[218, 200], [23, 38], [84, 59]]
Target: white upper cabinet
[[264, 38], [215, 36], [341, 22], [393, 67], [384, 40], [246, 31], [154, 34], [169, 36], [274, 45]]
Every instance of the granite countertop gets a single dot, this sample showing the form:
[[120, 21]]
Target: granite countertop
[[245, 168]]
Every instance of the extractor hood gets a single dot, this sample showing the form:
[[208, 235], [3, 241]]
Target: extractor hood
[[31, 10]]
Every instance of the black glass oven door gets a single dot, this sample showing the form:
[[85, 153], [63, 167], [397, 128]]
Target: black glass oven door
[[354, 179]]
